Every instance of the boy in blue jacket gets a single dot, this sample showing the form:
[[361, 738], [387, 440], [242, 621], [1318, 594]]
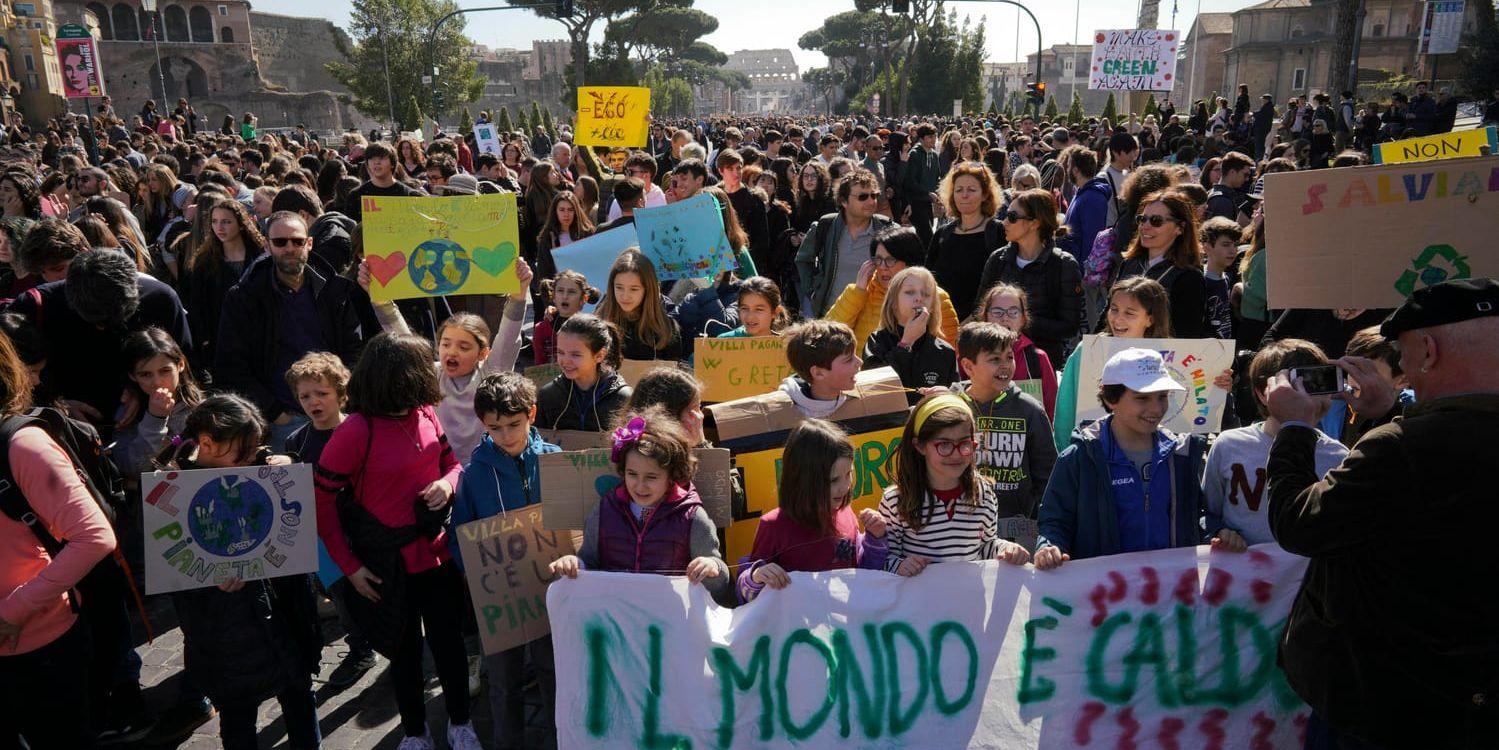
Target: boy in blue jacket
[[504, 475], [1124, 484]]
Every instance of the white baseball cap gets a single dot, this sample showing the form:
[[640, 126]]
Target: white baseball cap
[[1140, 370]]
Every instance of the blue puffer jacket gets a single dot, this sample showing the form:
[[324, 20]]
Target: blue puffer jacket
[[494, 481], [1087, 215], [1080, 511]]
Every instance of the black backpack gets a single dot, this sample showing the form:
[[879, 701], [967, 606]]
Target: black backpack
[[85, 450]]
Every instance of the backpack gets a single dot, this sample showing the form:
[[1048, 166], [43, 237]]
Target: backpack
[[1098, 267]]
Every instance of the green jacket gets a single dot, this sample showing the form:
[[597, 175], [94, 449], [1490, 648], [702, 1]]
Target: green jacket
[[817, 258]]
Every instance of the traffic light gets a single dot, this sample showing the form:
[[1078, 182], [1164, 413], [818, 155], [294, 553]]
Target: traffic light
[[900, 6], [1036, 92], [564, 8], [436, 102]]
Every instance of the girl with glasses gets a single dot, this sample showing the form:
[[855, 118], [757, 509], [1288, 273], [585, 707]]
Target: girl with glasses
[[1007, 305], [939, 509]]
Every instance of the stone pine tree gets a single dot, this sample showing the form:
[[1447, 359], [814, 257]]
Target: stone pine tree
[[393, 34], [503, 121], [1075, 112], [523, 121], [546, 120], [1051, 108], [535, 118], [465, 121], [1110, 109], [1151, 108]]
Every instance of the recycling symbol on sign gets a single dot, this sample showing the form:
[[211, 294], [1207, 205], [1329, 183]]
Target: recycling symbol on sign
[[1435, 264]]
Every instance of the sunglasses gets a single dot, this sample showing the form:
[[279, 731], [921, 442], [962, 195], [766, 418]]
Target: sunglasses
[[293, 241], [964, 448], [1155, 220], [861, 197], [1013, 217]]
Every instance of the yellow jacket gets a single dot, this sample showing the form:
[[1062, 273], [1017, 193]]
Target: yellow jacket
[[860, 310]]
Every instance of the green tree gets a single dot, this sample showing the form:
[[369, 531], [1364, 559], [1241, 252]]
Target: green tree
[[1075, 112], [392, 34], [579, 25], [1051, 108], [546, 121], [465, 121], [855, 42], [670, 96], [1151, 108], [967, 75], [503, 121], [932, 66], [992, 113], [1110, 109], [523, 121], [535, 118], [824, 83]]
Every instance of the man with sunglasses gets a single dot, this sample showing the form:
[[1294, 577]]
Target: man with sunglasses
[[641, 166], [288, 303], [837, 244]]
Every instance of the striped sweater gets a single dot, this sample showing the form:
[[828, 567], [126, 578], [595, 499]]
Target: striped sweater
[[970, 534]]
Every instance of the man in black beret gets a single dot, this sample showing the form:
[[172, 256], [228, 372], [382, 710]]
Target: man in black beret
[[1393, 639]]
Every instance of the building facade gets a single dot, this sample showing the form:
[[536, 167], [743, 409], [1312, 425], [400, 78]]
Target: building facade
[[513, 78], [1000, 79], [1064, 69], [775, 81], [30, 28], [1200, 70]]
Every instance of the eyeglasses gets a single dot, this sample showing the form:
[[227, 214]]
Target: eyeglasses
[[886, 262], [1004, 312], [1013, 217], [964, 448], [293, 241], [861, 197], [1155, 220]]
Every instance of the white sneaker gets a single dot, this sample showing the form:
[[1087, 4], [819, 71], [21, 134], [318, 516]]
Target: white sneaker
[[462, 737], [475, 662], [423, 742]]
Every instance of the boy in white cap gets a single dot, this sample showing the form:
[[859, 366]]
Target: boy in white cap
[[1125, 484]]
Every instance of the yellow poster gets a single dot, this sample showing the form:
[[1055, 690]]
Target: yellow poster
[[613, 116], [761, 472], [740, 368], [1454, 145], [429, 247]]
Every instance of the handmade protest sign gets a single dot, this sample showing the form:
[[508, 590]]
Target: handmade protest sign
[[1134, 60], [507, 559], [575, 440], [593, 256], [685, 240], [207, 526], [1366, 237], [1173, 648], [430, 247], [542, 374], [487, 138], [613, 116], [1191, 362], [1454, 145], [632, 370], [739, 368], [573, 481]]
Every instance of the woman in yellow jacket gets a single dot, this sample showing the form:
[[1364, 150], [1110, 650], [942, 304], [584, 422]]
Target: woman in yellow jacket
[[858, 307]]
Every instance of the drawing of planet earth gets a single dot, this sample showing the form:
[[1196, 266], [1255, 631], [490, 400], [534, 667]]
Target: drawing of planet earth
[[230, 516], [438, 266]]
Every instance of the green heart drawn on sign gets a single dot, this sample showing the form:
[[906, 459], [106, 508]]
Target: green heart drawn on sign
[[493, 260]]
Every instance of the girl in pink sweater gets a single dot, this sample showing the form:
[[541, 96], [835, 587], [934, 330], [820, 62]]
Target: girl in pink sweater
[[43, 645], [384, 483]]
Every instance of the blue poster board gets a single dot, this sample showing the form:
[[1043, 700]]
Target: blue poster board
[[593, 256], [685, 240]]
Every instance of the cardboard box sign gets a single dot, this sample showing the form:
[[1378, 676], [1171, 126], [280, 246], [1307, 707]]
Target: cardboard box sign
[[542, 374], [762, 421], [506, 560], [632, 370], [573, 481], [1366, 237], [575, 440], [740, 368]]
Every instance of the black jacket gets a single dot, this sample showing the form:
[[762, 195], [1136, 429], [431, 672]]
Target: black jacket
[[246, 353], [930, 361], [1394, 635], [1053, 285], [332, 241], [634, 348], [959, 274], [1185, 289], [203, 289], [252, 644], [561, 406]]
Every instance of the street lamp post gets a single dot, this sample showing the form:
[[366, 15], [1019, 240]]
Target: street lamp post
[[150, 6]]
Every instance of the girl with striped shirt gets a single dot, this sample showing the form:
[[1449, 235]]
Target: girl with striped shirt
[[939, 509]]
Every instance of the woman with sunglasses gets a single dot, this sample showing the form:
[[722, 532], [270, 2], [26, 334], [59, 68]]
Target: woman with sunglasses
[[939, 509], [1052, 278], [1165, 248], [962, 245], [861, 304]]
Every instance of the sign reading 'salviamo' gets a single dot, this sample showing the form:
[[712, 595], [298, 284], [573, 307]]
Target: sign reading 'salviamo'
[[1163, 649]]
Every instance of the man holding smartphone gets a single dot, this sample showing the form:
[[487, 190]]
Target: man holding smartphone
[[1394, 637]]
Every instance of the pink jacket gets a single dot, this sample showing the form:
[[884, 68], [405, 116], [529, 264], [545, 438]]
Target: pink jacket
[[33, 584]]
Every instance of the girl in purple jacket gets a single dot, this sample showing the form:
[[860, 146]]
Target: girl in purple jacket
[[654, 521]]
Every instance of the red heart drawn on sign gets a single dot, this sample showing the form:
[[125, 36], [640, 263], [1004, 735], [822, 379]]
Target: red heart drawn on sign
[[387, 268]]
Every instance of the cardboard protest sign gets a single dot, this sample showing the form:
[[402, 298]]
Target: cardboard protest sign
[[1191, 362], [575, 440], [1032, 387], [1454, 145], [573, 481], [487, 138], [739, 368], [593, 256], [632, 370], [207, 526], [506, 560], [542, 374], [685, 240], [1366, 237], [613, 116], [1172, 648], [1134, 60], [431, 247]]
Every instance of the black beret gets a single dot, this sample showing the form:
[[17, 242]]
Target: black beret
[[1442, 304]]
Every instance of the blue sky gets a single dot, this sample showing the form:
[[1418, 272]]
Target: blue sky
[[779, 23]]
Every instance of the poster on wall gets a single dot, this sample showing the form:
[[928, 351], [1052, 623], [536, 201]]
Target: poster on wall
[[78, 56], [1134, 60]]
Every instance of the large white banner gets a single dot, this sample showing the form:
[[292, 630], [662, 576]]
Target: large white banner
[[1134, 60], [1169, 649]]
